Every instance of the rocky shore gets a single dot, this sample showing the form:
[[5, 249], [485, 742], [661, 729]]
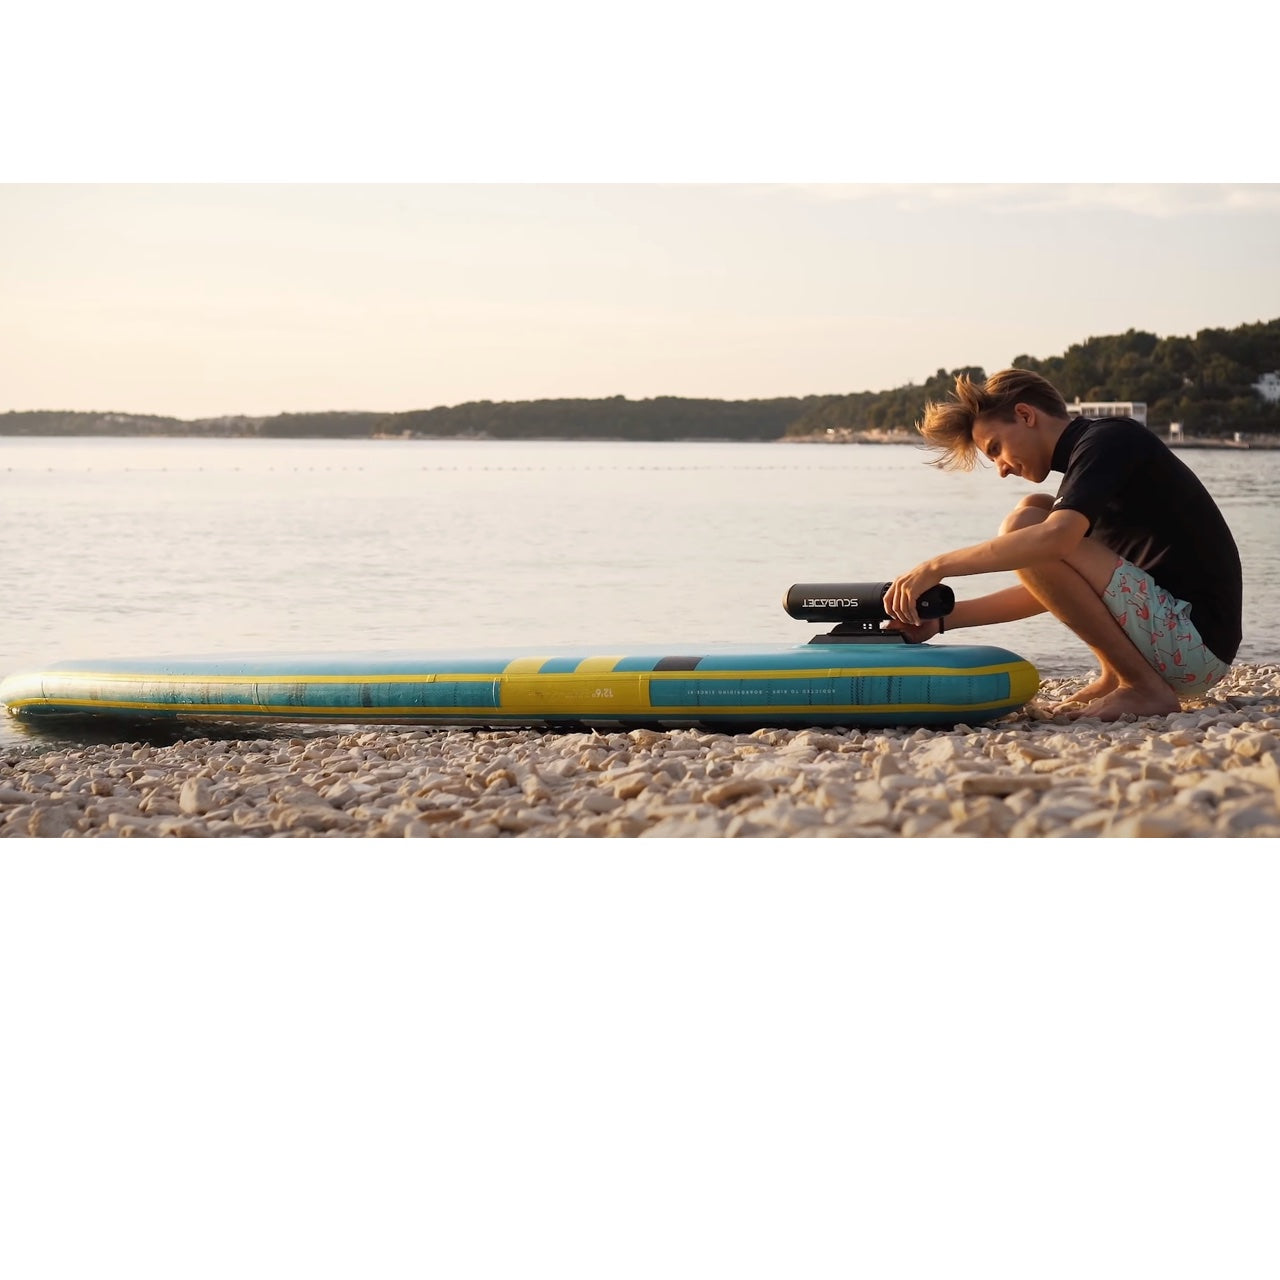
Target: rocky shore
[[1211, 770]]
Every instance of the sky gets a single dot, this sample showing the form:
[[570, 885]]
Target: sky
[[198, 300], [421, 209]]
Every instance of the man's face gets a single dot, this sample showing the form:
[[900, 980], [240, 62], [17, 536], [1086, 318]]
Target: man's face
[[1017, 448]]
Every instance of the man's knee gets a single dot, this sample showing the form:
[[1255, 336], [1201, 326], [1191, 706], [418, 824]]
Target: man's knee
[[1033, 509]]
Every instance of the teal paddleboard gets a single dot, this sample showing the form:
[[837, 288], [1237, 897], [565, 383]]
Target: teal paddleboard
[[734, 686]]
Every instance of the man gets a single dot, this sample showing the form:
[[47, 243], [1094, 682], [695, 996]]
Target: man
[[1132, 555]]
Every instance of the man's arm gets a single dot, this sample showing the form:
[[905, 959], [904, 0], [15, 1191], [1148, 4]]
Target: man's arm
[[1009, 605], [1053, 538]]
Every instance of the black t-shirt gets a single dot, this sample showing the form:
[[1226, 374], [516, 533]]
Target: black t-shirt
[[1147, 505]]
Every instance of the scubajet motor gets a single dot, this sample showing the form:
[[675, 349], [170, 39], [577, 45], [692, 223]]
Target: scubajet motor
[[855, 610]]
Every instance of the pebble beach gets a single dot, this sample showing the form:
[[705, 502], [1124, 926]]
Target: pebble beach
[[1212, 770]]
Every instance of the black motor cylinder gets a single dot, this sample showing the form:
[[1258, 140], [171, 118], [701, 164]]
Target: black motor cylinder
[[858, 601]]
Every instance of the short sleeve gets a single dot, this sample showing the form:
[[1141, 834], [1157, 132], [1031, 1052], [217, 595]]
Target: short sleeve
[[1105, 462]]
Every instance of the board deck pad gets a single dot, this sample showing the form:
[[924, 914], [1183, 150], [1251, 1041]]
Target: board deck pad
[[738, 686]]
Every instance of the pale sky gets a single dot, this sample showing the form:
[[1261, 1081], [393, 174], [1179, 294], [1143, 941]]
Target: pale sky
[[197, 300]]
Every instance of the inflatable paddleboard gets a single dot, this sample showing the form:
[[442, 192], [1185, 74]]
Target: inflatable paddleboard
[[734, 687]]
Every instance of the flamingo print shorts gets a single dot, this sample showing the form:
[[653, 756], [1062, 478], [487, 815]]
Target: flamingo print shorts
[[1160, 625]]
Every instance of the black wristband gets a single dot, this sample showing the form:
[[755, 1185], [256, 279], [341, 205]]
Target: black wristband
[[942, 624]]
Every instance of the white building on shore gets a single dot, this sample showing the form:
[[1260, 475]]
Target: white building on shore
[[1268, 387], [1136, 409]]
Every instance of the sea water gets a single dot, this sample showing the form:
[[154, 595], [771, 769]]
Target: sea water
[[141, 547]]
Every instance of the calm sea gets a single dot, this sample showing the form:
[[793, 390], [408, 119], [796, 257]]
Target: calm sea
[[127, 547]]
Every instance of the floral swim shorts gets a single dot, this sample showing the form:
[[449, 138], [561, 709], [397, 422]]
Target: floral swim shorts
[[1161, 627]]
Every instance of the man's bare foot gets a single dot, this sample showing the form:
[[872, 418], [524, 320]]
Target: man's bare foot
[[1127, 701], [1103, 685]]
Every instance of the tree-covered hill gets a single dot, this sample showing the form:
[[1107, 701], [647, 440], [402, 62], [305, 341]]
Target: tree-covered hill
[[617, 418], [55, 422], [1205, 382]]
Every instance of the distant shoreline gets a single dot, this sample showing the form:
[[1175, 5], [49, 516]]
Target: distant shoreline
[[904, 437], [856, 438]]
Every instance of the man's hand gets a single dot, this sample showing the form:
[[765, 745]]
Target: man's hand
[[900, 599], [926, 630]]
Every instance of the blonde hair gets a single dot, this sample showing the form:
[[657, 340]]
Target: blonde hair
[[948, 426]]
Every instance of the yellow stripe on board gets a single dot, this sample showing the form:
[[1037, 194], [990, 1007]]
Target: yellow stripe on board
[[589, 665], [185, 709], [1024, 682], [587, 705], [418, 677], [568, 694], [837, 673], [524, 666]]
